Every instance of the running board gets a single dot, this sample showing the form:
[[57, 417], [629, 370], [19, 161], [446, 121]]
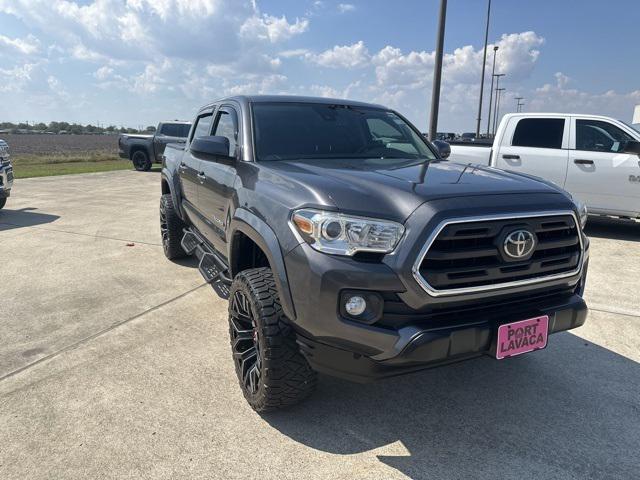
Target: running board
[[211, 266]]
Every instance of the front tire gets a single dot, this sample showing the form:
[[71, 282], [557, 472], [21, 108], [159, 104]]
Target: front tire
[[141, 161], [3, 202], [272, 372], [171, 228]]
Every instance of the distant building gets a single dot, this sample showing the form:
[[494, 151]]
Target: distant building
[[636, 116]]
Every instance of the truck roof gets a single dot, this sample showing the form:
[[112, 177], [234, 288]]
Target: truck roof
[[246, 99], [181, 122], [557, 114]]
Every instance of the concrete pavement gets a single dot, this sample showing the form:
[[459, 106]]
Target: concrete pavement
[[115, 363]]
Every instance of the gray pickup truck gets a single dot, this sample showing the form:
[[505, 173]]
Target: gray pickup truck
[[347, 245], [6, 173], [144, 150]]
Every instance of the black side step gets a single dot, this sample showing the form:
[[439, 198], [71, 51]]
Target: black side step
[[211, 266]]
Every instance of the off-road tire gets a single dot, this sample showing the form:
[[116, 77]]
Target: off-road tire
[[3, 202], [141, 161], [260, 335], [171, 228]]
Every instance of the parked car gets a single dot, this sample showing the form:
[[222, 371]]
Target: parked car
[[594, 158], [6, 173], [446, 136], [347, 246], [144, 150], [467, 137]]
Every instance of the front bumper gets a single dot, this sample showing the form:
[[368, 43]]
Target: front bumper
[[6, 179], [443, 342]]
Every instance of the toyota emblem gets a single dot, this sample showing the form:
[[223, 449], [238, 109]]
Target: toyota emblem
[[519, 244]]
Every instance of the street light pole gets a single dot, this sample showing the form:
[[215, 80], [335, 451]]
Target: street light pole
[[484, 62], [498, 95], [497, 76], [493, 74], [437, 72]]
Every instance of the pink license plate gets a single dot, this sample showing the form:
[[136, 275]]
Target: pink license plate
[[521, 337]]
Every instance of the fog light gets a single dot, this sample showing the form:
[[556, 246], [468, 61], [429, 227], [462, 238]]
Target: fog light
[[355, 305]]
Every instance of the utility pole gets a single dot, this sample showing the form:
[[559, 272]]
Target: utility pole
[[498, 95], [493, 74], [518, 104], [484, 62], [437, 72]]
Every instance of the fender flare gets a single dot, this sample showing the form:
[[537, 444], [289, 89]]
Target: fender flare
[[257, 230], [174, 190]]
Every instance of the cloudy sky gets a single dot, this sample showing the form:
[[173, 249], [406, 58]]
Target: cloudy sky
[[134, 62]]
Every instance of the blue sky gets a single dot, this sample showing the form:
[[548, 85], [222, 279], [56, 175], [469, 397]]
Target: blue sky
[[134, 62]]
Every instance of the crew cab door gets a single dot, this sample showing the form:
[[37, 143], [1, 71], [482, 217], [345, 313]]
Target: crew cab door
[[605, 179], [218, 174], [189, 168], [537, 146]]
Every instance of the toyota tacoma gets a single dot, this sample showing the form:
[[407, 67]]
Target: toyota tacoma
[[346, 245]]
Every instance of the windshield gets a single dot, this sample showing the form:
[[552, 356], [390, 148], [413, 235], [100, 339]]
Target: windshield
[[635, 126], [285, 131]]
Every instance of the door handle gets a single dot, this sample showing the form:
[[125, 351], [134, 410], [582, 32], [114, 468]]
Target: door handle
[[511, 157], [202, 177], [581, 161]]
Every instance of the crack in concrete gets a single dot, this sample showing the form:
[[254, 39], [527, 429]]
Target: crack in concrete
[[93, 336], [82, 234], [614, 311]]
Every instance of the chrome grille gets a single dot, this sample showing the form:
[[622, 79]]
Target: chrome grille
[[465, 255]]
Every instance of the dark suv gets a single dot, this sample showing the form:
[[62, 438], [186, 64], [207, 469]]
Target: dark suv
[[346, 245]]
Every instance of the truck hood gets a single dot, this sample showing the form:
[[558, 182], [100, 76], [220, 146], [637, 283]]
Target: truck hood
[[395, 190]]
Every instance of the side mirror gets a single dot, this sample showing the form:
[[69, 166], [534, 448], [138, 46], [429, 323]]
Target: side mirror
[[211, 145], [443, 148], [631, 147]]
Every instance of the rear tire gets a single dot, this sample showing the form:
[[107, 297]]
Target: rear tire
[[141, 161], [3, 202], [272, 372], [171, 229]]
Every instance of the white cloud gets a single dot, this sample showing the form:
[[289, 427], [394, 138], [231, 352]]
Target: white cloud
[[346, 7], [273, 29], [342, 56], [103, 73], [26, 46]]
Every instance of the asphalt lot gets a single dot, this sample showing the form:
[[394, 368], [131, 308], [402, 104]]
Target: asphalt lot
[[115, 363]]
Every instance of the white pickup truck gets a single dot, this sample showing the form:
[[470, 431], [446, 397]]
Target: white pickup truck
[[595, 158]]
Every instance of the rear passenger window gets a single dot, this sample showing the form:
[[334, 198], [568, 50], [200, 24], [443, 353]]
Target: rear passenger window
[[539, 133], [203, 126]]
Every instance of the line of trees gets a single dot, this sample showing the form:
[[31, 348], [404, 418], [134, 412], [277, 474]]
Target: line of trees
[[67, 128]]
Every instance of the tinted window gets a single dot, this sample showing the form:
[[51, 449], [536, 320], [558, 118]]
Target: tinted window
[[176, 129], [203, 126], [599, 136], [227, 127], [539, 132], [309, 130]]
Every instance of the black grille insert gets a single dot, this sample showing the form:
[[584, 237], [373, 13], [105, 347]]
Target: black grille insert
[[469, 254]]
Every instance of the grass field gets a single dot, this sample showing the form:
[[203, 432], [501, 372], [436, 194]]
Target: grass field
[[26, 166], [40, 166], [47, 155]]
